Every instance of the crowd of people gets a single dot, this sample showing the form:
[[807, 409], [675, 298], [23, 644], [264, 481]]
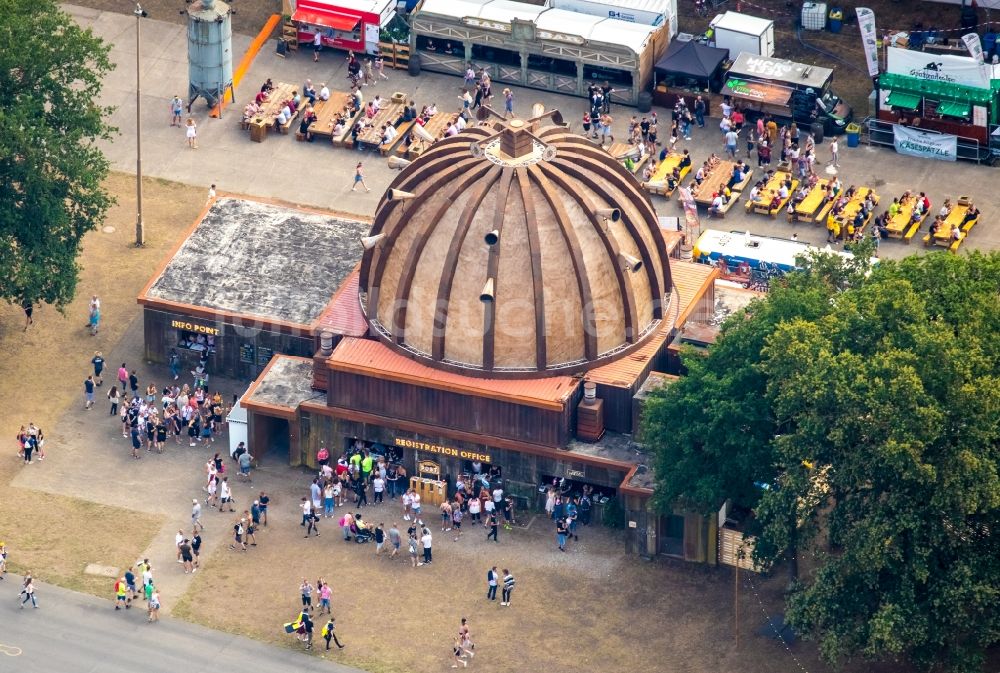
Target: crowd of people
[[150, 417], [126, 589], [30, 441]]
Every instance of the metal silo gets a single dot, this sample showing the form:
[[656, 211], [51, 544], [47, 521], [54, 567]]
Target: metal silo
[[210, 50]]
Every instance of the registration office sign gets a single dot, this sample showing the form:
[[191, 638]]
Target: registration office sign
[[441, 450], [926, 145]]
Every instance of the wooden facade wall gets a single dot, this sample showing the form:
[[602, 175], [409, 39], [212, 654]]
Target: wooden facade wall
[[233, 346], [469, 413], [522, 472]]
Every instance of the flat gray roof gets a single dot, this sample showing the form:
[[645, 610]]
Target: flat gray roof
[[259, 259], [611, 446], [287, 383]]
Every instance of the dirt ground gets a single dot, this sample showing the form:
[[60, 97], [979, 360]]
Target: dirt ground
[[249, 16], [43, 370], [591, 608], [843, 50]]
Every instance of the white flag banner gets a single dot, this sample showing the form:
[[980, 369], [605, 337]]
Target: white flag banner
[[866, 22], [974, 46], [925, 145], [938, 67]]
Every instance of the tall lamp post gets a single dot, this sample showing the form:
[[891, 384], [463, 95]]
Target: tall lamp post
[[140, 233]]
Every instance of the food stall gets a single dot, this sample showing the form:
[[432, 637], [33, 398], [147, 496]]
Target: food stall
[[688, 70], [538, 47], [788, 91], [953, 95], [344, 24]]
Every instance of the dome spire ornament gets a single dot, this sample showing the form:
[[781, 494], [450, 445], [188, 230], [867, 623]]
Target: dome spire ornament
[[515, 142], [520, 250]]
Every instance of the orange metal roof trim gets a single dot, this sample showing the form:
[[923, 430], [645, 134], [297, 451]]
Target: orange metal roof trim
[[691, 282], [343, 314], [372, 358]]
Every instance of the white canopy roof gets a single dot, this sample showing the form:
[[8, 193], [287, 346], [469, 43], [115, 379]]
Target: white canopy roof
[[505, 10], [634, 36]]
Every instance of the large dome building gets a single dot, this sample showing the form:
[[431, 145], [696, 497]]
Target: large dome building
[[506, 315], [515, 250]]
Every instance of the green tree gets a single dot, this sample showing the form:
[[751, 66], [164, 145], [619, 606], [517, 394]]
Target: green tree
[[51, 192], [878, 408]]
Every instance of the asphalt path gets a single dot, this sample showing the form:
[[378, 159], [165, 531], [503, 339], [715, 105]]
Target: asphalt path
[[76, 633]]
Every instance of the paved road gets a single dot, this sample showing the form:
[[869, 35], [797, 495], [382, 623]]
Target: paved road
[[76, 633]]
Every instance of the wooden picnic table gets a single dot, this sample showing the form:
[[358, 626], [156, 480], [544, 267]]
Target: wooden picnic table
[[721, 172], [902, 222], [956, 217], [807, 207], [658, 181], [268, 113], [852, 207], [435, 126], [371, 136], [327, 112], [763, 203], [622, 151]]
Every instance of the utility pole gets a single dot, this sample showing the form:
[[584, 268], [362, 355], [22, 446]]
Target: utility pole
[[140, 233]]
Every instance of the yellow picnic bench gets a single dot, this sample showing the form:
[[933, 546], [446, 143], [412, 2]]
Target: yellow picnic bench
[[956, 217], [657, 183], [763, 204], [807, 207], [902, 225], [853, 206]]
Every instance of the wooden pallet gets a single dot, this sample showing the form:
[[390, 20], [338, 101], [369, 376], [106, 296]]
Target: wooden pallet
[[395, 55]]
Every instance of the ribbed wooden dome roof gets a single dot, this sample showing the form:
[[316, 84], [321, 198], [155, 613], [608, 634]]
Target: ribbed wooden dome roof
[[515, 250]]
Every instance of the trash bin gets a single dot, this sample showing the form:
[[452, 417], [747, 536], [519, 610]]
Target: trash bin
[[853, 135], [836, 19]]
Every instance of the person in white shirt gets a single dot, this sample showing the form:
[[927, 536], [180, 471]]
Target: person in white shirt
[[177, 543], [783, 191], [378, 483], [425, 542], [717, 203], [317, 45], [431, 110], [460, 123], [324, 92], [282, 118], [415, 505], [452, 130], [389, 133], [407, 503], [225, 495], [377, 103], [497, 495]]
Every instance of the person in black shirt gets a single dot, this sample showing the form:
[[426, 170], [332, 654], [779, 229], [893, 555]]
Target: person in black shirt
[[494, 525], [606, 91], [98, 362], [307, 624], [195, 547]]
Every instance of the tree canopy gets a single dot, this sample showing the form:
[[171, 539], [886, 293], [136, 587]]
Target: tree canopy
[[51, 193], [858, 417]]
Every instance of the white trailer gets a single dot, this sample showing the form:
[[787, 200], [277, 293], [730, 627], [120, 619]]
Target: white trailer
[[649, 12], [743, 33]]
